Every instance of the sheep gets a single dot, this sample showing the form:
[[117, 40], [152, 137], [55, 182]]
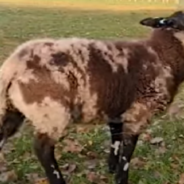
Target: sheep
[[54, 83]]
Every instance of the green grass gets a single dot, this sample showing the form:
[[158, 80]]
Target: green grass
[[18, 25]]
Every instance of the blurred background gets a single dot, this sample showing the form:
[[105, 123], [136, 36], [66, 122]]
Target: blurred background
[[159, 156]]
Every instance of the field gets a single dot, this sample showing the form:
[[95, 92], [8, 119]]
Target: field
[[159, 156]]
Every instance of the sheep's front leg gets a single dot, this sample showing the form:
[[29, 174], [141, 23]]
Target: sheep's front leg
[[129, 144], [44, 148], [135, 120], [116, 138]]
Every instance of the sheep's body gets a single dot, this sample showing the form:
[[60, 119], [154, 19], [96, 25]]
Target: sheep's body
[[52, 82]]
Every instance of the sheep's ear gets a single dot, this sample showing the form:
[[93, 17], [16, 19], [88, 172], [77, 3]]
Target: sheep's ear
[[154, 22]]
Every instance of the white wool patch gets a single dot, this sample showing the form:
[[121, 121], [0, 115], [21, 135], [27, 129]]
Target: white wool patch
[[126, 166], [56, 172], [124, 158], [116, 146]]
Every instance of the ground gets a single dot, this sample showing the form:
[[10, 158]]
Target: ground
[[159, 156]]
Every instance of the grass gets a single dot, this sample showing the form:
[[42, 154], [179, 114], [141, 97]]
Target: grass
[[161, 163]]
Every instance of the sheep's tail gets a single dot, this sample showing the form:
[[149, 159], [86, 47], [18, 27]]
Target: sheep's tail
[[8, 71]]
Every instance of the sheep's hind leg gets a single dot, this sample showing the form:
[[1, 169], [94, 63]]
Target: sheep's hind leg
[[116, 138], [129, 144], [10, 125], [44, 148]]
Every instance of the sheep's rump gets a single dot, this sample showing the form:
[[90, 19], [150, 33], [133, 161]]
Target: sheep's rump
[[72, 78]]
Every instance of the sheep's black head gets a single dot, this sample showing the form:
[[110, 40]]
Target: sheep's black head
[[174, 21]]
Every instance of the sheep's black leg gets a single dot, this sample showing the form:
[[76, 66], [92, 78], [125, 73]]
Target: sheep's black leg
[[129, 144], [10, 125], [44, 148], [116, 138]]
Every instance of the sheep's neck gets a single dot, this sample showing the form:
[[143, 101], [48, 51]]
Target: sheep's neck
[[171, 52]]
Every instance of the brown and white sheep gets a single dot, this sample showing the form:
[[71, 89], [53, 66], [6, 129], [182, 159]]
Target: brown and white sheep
[[53, 82]]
